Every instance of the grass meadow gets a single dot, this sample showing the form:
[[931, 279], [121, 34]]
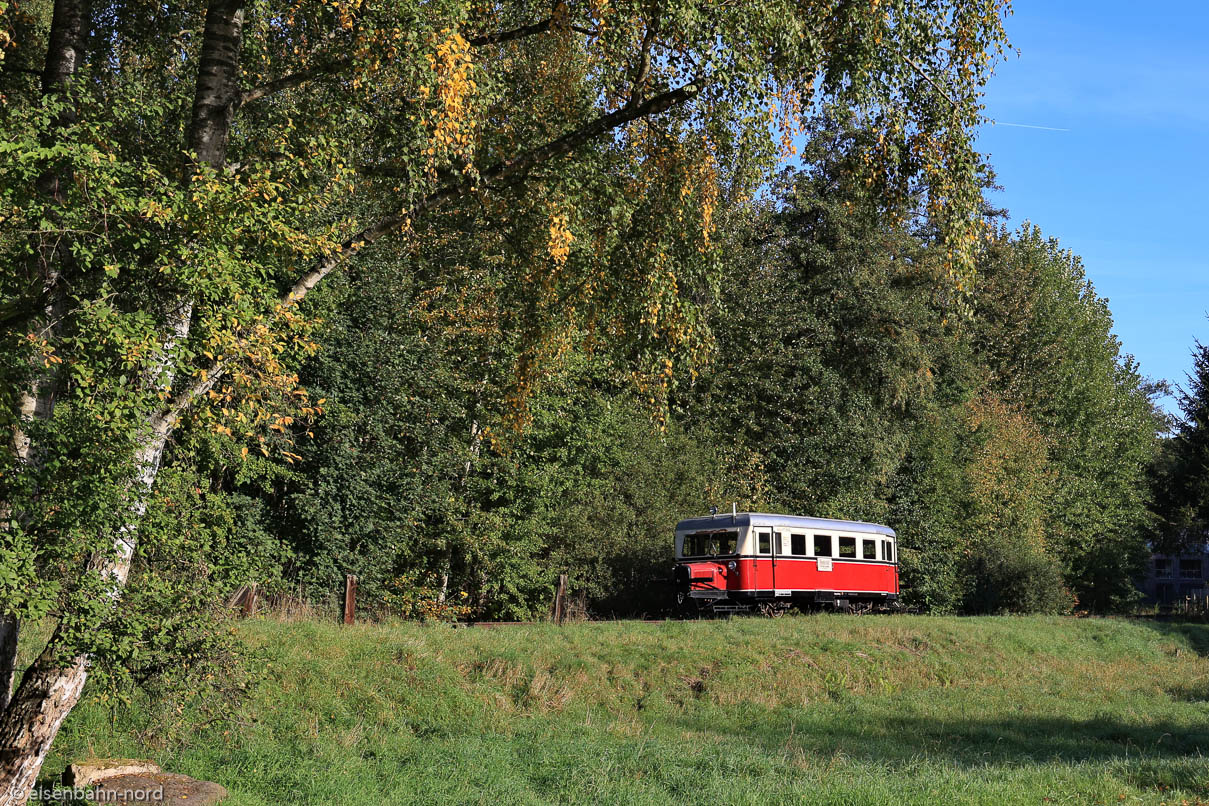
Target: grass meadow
[[804, 709]]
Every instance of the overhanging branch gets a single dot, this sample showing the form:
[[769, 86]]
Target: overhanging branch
[[935, 84], [296, 79], [516, 33], [500, 37]]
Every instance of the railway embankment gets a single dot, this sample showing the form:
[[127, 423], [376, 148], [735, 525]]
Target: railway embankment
[[803, 709]]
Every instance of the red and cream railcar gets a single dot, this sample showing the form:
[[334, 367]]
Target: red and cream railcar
[[746, 560]]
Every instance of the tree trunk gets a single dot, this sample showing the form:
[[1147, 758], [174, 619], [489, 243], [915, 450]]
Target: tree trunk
[[65, 48], [64, 53], [10, 631], [218, 92], [48, 691], [476, 441], [32, 720]]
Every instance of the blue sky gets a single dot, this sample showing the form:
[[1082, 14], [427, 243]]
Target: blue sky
[[1125, 184]]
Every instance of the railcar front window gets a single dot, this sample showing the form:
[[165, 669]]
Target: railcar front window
[[888, 550], [689, 547], [848, 547], [709, 544], [727, 542]]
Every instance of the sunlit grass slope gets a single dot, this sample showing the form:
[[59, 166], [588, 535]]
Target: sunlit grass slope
[[827, 709]]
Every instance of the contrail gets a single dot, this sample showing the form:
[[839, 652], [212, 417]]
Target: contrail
[[1028, 126]]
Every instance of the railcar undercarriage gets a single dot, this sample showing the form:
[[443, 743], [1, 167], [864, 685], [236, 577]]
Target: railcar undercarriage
[[697, 604]]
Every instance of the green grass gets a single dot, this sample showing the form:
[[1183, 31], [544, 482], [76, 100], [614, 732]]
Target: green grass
[[828, 709]]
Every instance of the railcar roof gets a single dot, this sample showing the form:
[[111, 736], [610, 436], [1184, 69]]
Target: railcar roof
[[723, 520]]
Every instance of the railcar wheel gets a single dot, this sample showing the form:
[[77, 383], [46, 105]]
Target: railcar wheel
[[774, 609]]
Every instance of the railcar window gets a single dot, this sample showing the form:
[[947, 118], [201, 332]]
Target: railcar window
[[822, 545], [727, 542], [797, 544], [868, 549], [888, 551], [765, 542], [704, 544], [848, 547]]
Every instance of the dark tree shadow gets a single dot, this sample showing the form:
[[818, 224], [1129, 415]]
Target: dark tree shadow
[[1151, 754]]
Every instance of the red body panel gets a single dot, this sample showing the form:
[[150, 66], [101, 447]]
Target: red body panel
[[712, 576], [753, 574]]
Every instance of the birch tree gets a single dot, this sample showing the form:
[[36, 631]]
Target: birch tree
[[176, 183]]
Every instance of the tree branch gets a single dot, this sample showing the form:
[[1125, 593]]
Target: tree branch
[[930, 80], [520, 33], [295, 79], [642, 70], [501, 174], [516, 33]]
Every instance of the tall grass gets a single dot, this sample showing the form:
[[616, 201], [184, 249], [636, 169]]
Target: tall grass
[[826, 709]]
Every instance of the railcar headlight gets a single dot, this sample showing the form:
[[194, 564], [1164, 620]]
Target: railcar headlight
[[732, 565]]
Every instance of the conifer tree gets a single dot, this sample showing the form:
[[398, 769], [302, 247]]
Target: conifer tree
[[1181, 474]]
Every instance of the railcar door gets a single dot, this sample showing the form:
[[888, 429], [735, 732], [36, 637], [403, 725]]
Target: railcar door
[[776, 547], [763, 551]]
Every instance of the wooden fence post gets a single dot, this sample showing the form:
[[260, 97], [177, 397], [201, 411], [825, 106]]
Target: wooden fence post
[[249, 600], [560, 600], [350, 598]]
